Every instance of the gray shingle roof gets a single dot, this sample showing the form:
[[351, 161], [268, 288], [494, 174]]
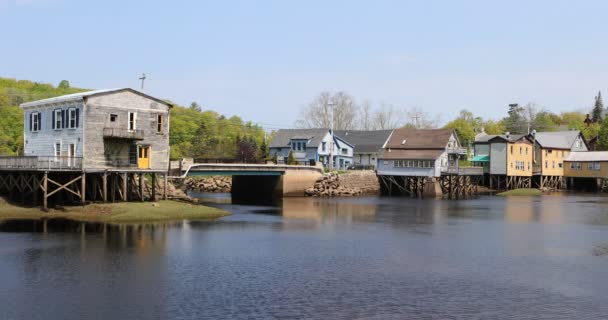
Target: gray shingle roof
[[79, 96], [282, 137], [588, 156], [419, 138], [364, 141], [557, 139]]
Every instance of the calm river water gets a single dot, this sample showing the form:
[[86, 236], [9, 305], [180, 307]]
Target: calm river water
[[363, 258]]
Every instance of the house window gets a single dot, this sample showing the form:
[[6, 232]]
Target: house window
[[113, 117], [546, 153], [72, 118], [35, 121], [324, 146], [595, 166], [575, 166], [344, 151], [554, 164], [511, 149], [520, 150], [132, 121], [159, 123], [58, 119], [528, 165], [57, 151], [546, 164]]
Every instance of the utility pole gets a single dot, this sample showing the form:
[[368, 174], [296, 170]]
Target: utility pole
[[416, 116], [331, 131], [142, 78]]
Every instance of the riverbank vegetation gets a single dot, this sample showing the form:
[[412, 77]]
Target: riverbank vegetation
[[521, 192], [124, 212]]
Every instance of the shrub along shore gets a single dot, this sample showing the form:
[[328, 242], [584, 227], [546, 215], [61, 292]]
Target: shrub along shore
[[123, 212]]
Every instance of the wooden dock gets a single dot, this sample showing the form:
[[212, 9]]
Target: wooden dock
[[35, 180]]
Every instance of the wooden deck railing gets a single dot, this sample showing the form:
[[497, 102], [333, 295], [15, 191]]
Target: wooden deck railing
[[117, 133], [40, 163], [463, 171]]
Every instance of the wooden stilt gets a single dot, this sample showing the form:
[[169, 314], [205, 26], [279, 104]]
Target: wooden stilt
[[45, 191], [124, 187], [141, 187], [165, 187], [83, 182], [153, 198], [104, 187]]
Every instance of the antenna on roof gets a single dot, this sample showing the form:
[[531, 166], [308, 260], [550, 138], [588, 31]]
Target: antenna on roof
[[142, 78]]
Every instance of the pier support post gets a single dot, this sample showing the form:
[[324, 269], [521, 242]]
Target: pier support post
[[104, 187], [141, 187], [165, 187], [83, 185], [124, 187], [153, 187], [45, 191]]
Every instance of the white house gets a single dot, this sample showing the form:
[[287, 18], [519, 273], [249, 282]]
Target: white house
[[311, 146]]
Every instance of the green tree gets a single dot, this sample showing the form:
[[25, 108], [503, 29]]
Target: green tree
[[602, 142], [195, 106], [64, 84], [515, 122], [597, 113], [464, 130], [291, 159]]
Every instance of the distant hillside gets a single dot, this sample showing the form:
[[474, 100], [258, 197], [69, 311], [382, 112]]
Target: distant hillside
[[194, 133]]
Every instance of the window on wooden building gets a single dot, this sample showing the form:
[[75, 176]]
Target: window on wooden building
[[159, 123], [58, 119], [113, 117], [72, 118], [57, 151], [35, 121], [132, 121]]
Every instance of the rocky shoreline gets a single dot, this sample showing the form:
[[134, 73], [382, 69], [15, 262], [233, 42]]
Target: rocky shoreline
[[350, 184], [213, 184]]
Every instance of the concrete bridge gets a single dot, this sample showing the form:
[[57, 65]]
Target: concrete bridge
[[252, 182]]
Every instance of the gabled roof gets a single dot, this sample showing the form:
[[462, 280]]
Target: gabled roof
[[557, 139], [80, 96], [588, 156], [419, 138], [484, 137], [364, 141], [395, 154], [508, 138], [283, 136]]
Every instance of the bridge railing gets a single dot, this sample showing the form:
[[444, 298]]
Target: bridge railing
[[41, 163], [463, 171]]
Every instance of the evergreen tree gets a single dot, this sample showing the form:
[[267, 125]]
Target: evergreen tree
[[602, 141], [275, 158], [515, 122], [195, 106], [291, 159], [263, 151], [597, 114]]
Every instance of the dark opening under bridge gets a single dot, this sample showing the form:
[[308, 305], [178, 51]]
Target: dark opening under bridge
[[252, 182]]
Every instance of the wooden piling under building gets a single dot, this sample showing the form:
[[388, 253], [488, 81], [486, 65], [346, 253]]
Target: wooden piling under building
[[449, 186], [46, 188]]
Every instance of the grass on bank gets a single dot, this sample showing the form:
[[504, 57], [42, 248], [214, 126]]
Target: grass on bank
[[117, 212], [521, 192]]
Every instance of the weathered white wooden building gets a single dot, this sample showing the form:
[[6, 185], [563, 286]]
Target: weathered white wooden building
[[116, 128]]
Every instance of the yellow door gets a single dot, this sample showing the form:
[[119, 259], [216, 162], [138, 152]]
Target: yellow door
[[144, 157]]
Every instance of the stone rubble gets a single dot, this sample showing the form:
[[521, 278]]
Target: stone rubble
[[329, 186], [216, 184]]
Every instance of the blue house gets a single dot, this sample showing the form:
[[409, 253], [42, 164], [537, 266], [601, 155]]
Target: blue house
[[312, 146]]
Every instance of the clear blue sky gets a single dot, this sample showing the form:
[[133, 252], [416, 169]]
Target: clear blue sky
[[264, 60]]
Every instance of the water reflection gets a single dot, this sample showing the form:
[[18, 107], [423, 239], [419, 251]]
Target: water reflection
[[371, 258]]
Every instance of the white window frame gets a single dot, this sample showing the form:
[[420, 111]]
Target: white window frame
[[134, 121], [71, 118], [57, 151], [35, 121], [58, 119]]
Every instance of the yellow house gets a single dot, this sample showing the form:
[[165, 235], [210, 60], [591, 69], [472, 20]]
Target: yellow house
[[550, 151], [510, 162], [586, 170], [590, 164]]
